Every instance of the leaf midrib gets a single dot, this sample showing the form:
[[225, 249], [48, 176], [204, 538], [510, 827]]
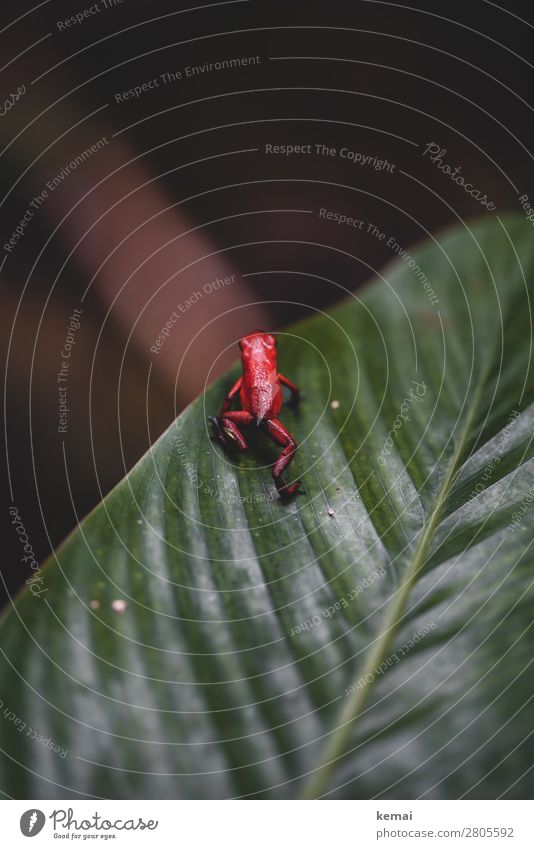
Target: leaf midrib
[[335, 748]]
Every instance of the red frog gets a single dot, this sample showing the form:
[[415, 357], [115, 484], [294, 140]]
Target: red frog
[[260, 394]]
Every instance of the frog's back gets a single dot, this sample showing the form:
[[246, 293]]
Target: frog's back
[[261, 394]]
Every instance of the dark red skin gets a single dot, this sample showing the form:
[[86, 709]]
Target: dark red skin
[[260, 394]]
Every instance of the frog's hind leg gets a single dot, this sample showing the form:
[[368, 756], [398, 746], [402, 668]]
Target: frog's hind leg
[[279, 434], [226, 429]]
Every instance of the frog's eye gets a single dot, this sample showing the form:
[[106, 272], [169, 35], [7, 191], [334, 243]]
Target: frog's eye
[[269, 341]]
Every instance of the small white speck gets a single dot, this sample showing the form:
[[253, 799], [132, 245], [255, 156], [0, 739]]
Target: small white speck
[[119, 606], [335, 405], [330, 511], [94, 604]]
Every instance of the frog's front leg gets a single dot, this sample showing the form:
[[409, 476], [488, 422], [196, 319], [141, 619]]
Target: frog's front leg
[[293, 388]]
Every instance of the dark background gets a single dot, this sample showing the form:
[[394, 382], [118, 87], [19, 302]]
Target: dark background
[[459, 74]]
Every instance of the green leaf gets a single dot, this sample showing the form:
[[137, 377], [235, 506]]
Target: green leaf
[[371, 638]]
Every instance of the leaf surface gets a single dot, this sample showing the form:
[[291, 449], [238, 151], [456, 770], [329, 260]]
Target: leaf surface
[[373, 637]]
